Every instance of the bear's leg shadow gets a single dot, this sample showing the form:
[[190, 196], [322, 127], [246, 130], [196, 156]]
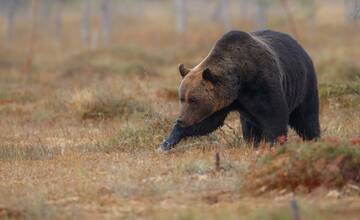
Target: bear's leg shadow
[[305, 119], [204, 127], [251, 133]]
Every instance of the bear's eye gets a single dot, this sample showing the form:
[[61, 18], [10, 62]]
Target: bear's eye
[[182, 100], [192, 100]]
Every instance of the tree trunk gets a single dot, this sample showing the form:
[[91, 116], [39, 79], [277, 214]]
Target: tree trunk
[[105, 22], [225, 17], [290, 18], [58, 21], [31, 53], [312, 12], [244, 7], [94, 40], [85, 29], [352, 10], [181, 16], [10, 21], [261, 15], [141, 9]]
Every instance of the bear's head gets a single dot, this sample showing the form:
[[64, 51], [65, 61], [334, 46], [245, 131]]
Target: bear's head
[[202, 92], [216, 82]]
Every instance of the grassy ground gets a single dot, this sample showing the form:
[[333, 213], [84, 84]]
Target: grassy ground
[[79, 137]]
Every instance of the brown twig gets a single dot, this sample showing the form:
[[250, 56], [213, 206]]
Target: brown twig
[[217, 162]]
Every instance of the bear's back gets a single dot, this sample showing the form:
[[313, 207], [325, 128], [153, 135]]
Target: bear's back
[[295, 63], [283, 44]]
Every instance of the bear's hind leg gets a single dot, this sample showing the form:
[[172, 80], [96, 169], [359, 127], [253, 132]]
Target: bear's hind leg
[[251, 133], [305, 118], [305, 122]]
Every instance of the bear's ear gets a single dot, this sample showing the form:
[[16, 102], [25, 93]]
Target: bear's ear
[[209, 76], [183, 70]]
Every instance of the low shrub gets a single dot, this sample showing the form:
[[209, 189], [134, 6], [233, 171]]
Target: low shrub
[[91, 104], [132, 137], [123, 61], [308, 165]]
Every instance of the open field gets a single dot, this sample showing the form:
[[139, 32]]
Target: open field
[[79, 133]]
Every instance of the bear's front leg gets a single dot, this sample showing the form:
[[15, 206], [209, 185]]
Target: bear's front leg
[[274, 122], [275, 131], [204, 127], [269, 107], [175, 137]]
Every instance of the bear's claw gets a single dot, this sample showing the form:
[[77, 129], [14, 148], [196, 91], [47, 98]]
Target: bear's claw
[[166, 145]]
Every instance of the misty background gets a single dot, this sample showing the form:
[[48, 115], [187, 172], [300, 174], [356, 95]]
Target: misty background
[[99, 23]]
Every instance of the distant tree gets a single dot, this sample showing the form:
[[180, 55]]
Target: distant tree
[[290, 17], [105, 22], [94, 39], [244, 7], [31, 52], [141, 9], [181, 15], [261, 13], [85, 27], [59, 4], [352, 10], [310, 7], [10, 8], [10, 20], [45, 7], [225, 14]]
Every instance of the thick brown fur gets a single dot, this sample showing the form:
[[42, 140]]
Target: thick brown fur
[[266, 76]]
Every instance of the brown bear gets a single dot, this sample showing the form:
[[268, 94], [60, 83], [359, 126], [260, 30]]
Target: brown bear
[[266, 76]]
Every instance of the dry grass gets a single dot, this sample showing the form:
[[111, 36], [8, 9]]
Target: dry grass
[[102, 105], [345, 95], [125, 61], [79, 136], [338, 68]]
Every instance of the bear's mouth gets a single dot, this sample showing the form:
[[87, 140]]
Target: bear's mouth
[[185, 124]]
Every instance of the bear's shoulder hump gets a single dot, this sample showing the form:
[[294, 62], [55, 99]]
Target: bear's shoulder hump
[[234, 35]]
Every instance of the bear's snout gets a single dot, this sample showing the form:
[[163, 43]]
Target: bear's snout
[[181, 122]]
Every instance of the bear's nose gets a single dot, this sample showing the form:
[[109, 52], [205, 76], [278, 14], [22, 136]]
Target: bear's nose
[[180, 122]]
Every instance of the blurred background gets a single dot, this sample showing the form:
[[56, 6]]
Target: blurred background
[[89, 89], [58, 57], [65, 26]]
